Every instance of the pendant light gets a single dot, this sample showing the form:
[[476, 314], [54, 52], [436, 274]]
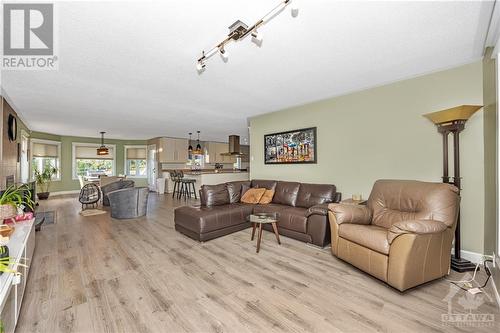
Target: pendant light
[[102, 150], [198, 150], [190, 148]]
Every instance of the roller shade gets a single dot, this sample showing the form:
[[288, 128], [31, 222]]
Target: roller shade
[[136, 154], [45, 150], [90, 153]]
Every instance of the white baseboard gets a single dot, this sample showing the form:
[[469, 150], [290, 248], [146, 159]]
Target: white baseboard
[[473, 257], [54, 194]]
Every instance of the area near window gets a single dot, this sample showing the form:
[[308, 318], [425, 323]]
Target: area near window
[[87, 163], [45, 154], [135, 161]]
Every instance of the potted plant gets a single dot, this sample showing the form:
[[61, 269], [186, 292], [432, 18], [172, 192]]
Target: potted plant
[[12, 198], [43, 180]]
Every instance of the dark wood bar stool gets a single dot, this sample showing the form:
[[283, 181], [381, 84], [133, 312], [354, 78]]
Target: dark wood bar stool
[[187, 184], [177, 182]]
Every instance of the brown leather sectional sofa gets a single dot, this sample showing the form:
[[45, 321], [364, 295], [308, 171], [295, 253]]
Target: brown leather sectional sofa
[[302, 210]]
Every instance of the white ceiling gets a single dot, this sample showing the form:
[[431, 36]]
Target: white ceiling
[[128, 68]]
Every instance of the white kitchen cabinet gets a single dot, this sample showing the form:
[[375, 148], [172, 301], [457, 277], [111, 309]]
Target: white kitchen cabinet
[[173, 150]]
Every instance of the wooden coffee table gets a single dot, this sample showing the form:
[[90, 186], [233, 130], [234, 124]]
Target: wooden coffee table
[[258, 221]]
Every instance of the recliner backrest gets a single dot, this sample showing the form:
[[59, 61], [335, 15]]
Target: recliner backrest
[[393, 201]]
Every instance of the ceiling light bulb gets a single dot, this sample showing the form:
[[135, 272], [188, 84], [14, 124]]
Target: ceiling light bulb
[[257, 38], [223, 55], [200, 67], [295, 11]]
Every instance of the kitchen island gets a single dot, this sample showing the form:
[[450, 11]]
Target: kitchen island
[[210, 177]]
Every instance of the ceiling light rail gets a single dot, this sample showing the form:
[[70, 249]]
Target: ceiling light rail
[[239, 30]]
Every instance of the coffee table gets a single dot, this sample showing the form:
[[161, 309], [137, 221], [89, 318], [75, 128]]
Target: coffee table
[[258, 220]]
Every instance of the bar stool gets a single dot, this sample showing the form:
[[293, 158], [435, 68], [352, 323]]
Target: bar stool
[[186, 185], [177, 182]]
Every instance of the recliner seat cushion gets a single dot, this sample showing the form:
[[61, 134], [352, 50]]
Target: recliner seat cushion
[[206, 219], [293, 218], [215, 195], [286, 193], [315, 194], [370, 236]]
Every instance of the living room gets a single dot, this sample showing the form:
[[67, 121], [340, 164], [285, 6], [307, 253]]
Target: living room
[[318, 166]]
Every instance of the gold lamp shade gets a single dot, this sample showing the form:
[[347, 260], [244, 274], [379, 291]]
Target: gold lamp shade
[[462, 112]]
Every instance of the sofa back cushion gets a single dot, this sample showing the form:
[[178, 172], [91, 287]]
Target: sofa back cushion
[[315, 194], [286, 193], [393, 201], [234, 189], [267, 184], [215, 195], [253, 195]]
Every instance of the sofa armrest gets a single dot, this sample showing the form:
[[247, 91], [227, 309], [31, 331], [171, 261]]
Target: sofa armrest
[[344, 213], [320, 209], [419, 227]]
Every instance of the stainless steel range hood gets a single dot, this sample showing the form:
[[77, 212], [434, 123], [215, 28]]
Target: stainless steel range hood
[[234, 146]]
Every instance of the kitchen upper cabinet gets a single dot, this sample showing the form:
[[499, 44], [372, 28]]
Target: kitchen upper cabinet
[[215, 149], [173, 150]]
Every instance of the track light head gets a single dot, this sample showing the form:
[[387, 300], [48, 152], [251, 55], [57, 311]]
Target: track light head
[[223, 54], [257, 38], [295, 11], [200, 67]]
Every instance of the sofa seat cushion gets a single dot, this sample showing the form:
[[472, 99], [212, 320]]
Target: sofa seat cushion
[[206, 219], [269, 208], [293, 218], [370, 236]]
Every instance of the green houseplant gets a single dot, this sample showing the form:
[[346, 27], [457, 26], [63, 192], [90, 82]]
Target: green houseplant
[[43, 180], [12, 198]]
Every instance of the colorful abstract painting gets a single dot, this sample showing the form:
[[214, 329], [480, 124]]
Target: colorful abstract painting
[[297, 146]]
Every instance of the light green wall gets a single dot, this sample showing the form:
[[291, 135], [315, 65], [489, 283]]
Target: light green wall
[[67, 183], [380, 133]]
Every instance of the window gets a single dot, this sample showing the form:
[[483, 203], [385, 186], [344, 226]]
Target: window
[[46, 154], [135, 161], [87, 163]]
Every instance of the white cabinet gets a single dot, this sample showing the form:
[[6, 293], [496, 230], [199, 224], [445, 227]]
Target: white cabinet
[[21, 245], [215, 151], [173, 150]]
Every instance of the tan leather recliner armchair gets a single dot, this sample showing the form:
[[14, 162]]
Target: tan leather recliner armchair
[[404, 234]]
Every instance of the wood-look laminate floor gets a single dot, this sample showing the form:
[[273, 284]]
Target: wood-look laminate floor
[[96, 274]]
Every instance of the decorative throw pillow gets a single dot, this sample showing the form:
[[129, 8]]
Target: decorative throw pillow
[[267, 197], [253, 195]]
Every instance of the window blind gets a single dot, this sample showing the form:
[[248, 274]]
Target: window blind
[[45, 150], [90, 153], [136, 153]]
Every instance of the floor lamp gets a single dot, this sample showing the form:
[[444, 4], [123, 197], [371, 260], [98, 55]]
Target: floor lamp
[[452, 121]]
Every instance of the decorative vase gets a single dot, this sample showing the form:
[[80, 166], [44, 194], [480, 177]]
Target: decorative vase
[[43, 195], [7, 211]]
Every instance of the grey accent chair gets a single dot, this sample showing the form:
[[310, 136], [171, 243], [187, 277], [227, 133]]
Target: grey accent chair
[[118, 185], [129, 203]]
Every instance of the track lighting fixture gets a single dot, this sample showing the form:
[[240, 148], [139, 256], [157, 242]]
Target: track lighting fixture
[[239, 30], [257, 38]]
